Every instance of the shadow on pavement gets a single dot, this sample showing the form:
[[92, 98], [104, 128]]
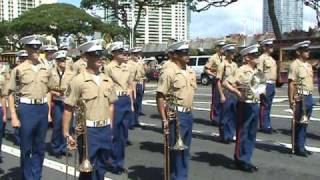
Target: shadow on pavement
[[271, 147], [152, 147], [145, 173], [155, 116], [12, 174], [214, 159], [194, 135], [309, 135], [206, 122]]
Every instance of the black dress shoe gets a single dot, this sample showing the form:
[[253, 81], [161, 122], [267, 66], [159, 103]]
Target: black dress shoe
[[225, 141], [254, 168], [138, 125], [244, 167], [266, 131], [1, 171], [308, 152], [129, 143], [301, 154], [119, 171]]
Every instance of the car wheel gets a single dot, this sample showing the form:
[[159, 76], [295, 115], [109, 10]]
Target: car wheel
[[205, 80]]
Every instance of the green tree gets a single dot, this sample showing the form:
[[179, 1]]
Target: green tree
[[58, 20], [4, 31]]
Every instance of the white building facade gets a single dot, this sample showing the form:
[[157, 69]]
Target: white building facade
[[157, 24], [11, 9]]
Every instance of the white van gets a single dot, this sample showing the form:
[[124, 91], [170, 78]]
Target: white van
[[197, 63]]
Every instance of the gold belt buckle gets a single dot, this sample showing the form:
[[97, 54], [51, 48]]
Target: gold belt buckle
[[37, 101]]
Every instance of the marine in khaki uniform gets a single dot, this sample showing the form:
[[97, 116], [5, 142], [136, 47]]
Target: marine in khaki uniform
[[80, 65], [3, 109], [49, 50], [97, 92], [176, 89], [29, 81], [268, 67], [300, 96], [60, 78], [21, 57], [228, 100], [245, 82], [211, 69], [139, 84], [122, 77]]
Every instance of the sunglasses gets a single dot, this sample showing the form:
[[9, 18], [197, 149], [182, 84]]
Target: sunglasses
[[184, 52], [95, 53], [34, 46], [254, 55], [61, 59]]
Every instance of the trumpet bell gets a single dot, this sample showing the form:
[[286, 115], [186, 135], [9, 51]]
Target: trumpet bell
[[85, 166], [179, 146]]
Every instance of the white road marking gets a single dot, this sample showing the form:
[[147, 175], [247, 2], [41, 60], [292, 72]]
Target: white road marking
[[47, 162], [153, 103], [275, 143]]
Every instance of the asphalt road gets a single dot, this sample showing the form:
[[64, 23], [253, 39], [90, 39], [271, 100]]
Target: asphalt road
[[210, 160]]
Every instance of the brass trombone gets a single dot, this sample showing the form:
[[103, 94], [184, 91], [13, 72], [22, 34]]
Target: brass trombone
[[80, 130], [303, 119], [173, 109]]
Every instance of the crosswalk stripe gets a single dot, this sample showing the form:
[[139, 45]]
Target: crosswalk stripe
[[47, 162]]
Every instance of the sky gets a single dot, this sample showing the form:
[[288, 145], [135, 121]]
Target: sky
[[244, 16]]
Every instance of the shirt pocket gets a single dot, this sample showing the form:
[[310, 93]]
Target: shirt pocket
[[267, 66], [179, 83], [89, 94], [302, 73], [44, 76], [26, 77]]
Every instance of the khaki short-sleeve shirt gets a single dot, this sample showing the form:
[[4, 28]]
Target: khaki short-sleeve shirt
[[133, 70], [268, 66], [33, 84], [243, 78], [226, 69], [141, 74], [79, 66], [97, 97], [120, 75], [173, 81], [300, 70], [63, 80], [214, 62]]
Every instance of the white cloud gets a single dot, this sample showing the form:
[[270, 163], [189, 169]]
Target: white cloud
[[226, 20]]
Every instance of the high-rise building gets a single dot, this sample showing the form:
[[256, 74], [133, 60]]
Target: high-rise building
[[10, 9], [289, 14], [157, 24]]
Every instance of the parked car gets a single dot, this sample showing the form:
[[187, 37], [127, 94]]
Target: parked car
[[197, 63], [152, 69]]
